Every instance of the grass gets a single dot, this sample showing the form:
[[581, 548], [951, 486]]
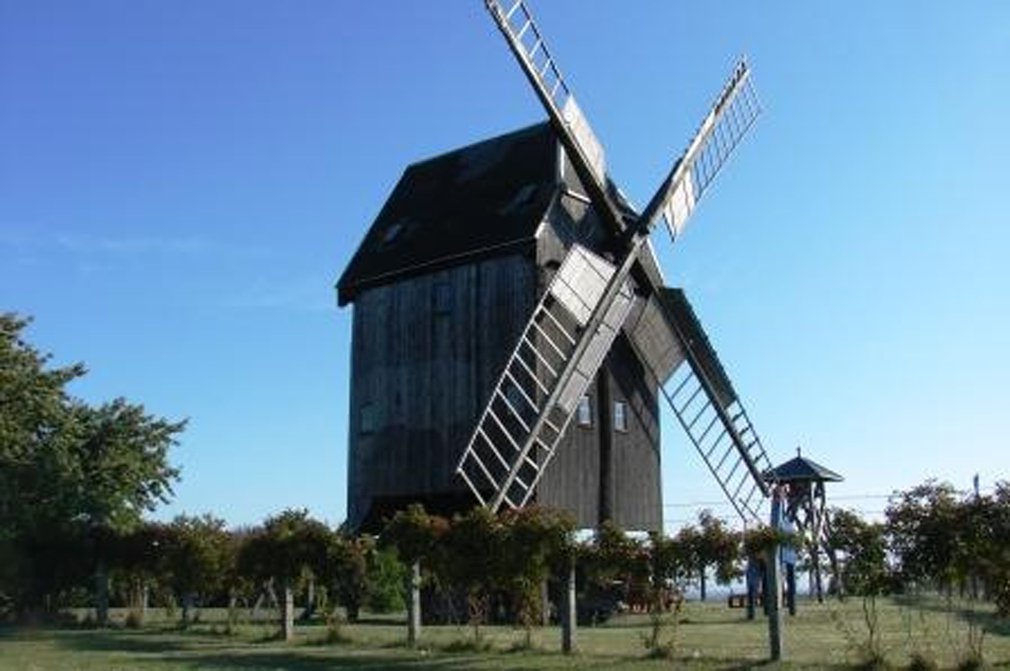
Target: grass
[[710, 636]]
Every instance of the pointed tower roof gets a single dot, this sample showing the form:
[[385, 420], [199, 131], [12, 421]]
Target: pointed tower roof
[[801, 469]]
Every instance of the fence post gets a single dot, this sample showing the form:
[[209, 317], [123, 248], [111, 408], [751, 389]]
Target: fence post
[[773, 596], [414, 605], [568, 612]]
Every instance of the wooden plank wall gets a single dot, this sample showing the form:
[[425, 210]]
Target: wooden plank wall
[[572, 482], [427, 370]]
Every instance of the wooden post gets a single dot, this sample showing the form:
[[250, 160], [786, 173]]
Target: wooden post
[[288, 612], [773, 600], [791, 588], [414, 605], [568, 613], [753, 576], [773, 595]]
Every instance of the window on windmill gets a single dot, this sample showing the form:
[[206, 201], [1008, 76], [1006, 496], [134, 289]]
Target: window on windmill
[[584, 412], [366, 419], [522, 198], [392, 232], [620, 416], [441, 300]]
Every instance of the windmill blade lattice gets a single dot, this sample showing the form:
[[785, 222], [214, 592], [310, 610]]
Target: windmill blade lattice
[[734, 112], [537, 62], [575, 323], [666, 334], [550, 368]]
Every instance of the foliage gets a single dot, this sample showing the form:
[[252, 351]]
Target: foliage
[[345, 572], [923, 526], [198, 556], [711, 544], [864, 548], [415, 534], [474, 542], [71, 474], [284, 547], [385, 579], [759, 541], [532, 541]]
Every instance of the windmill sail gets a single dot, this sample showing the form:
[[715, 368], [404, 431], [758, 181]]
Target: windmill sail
[[575, 323], [537, 62], [667, 334], [550, 368], [733, 113]]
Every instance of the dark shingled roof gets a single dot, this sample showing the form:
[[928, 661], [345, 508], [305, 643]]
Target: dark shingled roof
[[480, 199], [799, 468]]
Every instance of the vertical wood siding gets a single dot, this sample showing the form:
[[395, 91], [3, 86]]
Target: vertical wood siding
[[427, 371]]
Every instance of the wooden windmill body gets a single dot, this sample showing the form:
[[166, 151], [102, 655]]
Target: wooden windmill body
[[506, 292]]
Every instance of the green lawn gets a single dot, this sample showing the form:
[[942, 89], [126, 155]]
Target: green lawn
[[710, 636]]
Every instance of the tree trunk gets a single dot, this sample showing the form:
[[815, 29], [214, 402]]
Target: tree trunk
[[101, 595], [545, 604], [701, 573], [187, 607]]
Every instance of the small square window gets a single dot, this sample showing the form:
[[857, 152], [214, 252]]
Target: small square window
[[620, 416], [584, 412], [366, 419]]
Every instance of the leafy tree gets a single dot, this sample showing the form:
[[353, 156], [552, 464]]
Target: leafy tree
[[346, 571], [669, 566], [474, 548], [415, 535], [923, 526], [718, 547], [286, 547], [197, 555], [68, 471], [138, 560], [613, 556], [385, 579], [997, 550], [533, 541], [865, 572]]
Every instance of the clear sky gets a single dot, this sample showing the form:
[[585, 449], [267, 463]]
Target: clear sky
[[182, 183]]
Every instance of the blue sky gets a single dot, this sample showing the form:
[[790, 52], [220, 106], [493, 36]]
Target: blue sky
[[182, 183]]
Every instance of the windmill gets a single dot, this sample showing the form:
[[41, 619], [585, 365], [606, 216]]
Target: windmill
[[592, 299]]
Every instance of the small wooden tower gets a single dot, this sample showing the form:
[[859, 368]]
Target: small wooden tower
[[806, 508]]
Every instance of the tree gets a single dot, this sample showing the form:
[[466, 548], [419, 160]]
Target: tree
[[286, 547], [346, 571], [385, 579], [717, 546], [474, 549], [533, 542], [68, 470], [923, 526], [197, 554], [138, 560], [865, 572]]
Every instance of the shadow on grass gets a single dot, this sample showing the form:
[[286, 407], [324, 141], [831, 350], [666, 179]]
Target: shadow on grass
[[210, 653], [986, 619]]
